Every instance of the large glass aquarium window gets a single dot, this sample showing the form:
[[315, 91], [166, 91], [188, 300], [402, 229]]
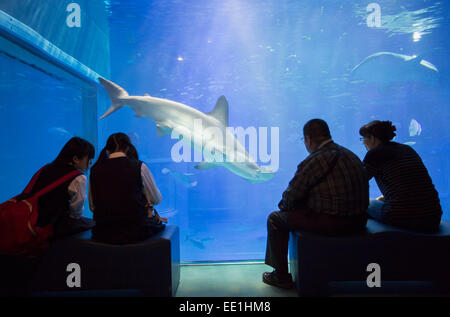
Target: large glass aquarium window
[[251, 72], [278, 64], [39, 113]]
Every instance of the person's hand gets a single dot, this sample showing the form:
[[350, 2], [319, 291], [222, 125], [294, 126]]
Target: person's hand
[[149, 210], [380, 198], [161, 218]]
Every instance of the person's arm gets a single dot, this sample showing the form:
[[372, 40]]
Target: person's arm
[[371, 170], [77, 194], [150, 190], [91, 201], [296, 191]]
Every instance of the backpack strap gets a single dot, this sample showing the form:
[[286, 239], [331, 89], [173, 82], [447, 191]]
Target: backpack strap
[[57, 183], [33, 180]]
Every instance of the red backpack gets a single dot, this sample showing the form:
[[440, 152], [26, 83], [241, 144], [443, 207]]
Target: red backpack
[[18, 231]]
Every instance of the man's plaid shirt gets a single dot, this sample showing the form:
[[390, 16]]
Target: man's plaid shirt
[[344, 192]]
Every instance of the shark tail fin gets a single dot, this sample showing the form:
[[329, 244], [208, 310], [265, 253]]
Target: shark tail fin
[[115, 93]]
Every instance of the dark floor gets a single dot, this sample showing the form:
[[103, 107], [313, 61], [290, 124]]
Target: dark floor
[[244, 279]]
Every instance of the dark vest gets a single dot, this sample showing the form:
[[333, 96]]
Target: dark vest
[[117, 194], [53, 207]]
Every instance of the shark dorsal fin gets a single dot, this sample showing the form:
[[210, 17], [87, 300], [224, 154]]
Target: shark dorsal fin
[[220, 111], [163, 129]]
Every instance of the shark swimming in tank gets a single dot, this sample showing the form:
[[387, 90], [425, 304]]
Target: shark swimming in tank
[[171, 116], [385, 68]]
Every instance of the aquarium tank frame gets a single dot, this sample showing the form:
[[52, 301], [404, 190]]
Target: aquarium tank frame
[[19, 41]]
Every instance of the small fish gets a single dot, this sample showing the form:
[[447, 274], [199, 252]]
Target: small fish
[[60, 132], [199, 243], [215, 87], [345, 94], [134, 137], [414, 128], [183, 178], [168, 213], [410, 143]]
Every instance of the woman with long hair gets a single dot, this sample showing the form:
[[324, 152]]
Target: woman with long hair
[[63, 206]]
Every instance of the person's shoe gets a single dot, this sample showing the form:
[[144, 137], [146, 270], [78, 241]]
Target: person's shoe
[[272, 278]]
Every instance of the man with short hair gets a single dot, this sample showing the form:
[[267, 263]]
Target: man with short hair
[[328, 195]]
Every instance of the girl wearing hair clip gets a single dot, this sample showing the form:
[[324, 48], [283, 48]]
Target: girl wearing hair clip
[[409, 198]]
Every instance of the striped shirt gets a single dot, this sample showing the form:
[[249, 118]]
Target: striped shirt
[[404, 181], [344, 192]]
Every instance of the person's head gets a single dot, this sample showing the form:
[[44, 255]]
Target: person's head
[[377, 132], [315, 131], [118, 142], [77, 152]]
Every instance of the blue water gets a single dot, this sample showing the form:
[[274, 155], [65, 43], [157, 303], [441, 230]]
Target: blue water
[[279, 64]]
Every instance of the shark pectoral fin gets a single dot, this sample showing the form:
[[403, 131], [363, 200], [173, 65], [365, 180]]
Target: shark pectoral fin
[[163, 129], [220, 111], [265, 169], [205, 166]]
